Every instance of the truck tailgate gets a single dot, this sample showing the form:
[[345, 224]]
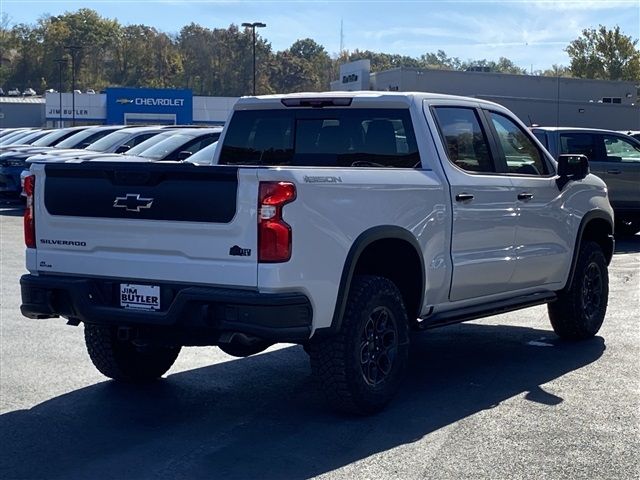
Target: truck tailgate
[[150, 221]]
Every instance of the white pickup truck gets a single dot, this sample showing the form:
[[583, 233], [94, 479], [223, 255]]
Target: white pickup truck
[[339, 221]]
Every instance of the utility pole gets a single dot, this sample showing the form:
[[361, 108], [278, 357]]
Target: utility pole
[[73, 49], [253, 27], [61, 62]]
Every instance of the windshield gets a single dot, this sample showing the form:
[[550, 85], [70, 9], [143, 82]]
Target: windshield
[[107, 142], [54, 137], [34, 136], [138, 149], [205, 155], [166, 146], [13, 137], [75, 139], [87, 136], [8, 132]]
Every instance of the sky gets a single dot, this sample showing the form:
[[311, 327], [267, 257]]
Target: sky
[[532, 33]]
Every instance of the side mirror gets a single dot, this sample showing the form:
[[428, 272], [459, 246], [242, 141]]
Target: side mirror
[[183, 155], [571, 167], [122, 148]]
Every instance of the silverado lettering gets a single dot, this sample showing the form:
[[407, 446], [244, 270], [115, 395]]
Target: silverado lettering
[[74, 243]]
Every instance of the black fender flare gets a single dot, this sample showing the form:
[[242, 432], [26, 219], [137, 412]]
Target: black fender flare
[[588, 217], [366, 238]]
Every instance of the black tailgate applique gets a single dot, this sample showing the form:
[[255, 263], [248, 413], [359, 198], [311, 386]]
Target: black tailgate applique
[[236, 251]]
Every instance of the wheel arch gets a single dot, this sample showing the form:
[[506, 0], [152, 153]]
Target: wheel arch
[[402, 255], [596, 225]]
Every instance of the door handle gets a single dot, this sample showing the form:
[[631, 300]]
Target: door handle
[[524, 196], [614, 172], [464, 197]]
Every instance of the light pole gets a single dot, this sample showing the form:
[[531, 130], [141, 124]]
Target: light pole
[[253, 27], [74, 49], [60, 62]]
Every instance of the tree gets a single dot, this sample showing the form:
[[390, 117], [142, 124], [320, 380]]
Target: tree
[[384, 61], [441, 61], [7, 48], [604, 54], [503, 65], [294, 74], [556, 71], [317, 59]]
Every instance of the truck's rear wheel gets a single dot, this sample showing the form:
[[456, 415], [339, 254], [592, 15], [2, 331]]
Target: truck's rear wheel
[[122, 359], [360, 368], [579, 312]]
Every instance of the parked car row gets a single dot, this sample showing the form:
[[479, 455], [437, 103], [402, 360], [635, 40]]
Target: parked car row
[[613, 156], [30, 92], [15, 92], [21, 147]]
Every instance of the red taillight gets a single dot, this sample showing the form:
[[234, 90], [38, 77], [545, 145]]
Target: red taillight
[[29, 220], [274, 234]]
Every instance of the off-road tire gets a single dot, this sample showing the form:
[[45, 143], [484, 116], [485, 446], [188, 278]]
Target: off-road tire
[[124, 361], [579, 311], [345, 363]]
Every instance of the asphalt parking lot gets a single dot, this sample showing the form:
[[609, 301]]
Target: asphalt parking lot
[[499, 398]]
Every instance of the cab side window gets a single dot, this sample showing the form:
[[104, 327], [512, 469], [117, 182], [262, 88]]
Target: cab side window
[[522, 156], [621, 150], [579, 143], [466, 142]]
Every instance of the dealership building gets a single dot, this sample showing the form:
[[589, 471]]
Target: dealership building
[[116, 106], [137, 106], [21, 112], [545, 101]]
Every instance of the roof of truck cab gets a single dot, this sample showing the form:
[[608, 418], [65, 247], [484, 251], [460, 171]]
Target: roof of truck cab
[[359, 98]]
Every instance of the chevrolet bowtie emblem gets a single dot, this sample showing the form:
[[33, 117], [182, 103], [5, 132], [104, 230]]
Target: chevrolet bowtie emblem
[[124, 101], [132, 202]]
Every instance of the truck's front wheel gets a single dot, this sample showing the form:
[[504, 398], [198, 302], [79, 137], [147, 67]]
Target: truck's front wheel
[[578, 312], [360, 368], [122, 359]]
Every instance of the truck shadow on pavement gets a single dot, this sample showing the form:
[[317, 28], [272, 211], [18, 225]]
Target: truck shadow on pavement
[[261, 417]]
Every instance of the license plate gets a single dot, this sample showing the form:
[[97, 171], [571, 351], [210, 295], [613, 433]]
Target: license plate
[[140, 297]]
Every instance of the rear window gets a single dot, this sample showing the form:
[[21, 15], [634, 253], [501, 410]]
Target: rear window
[[321, 138]]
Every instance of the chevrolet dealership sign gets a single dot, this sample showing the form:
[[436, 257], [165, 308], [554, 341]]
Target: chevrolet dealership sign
[[164, 102], [87, 107], [150, 102]]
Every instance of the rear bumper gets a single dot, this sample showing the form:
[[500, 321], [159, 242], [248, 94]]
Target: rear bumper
[[282, 317]]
